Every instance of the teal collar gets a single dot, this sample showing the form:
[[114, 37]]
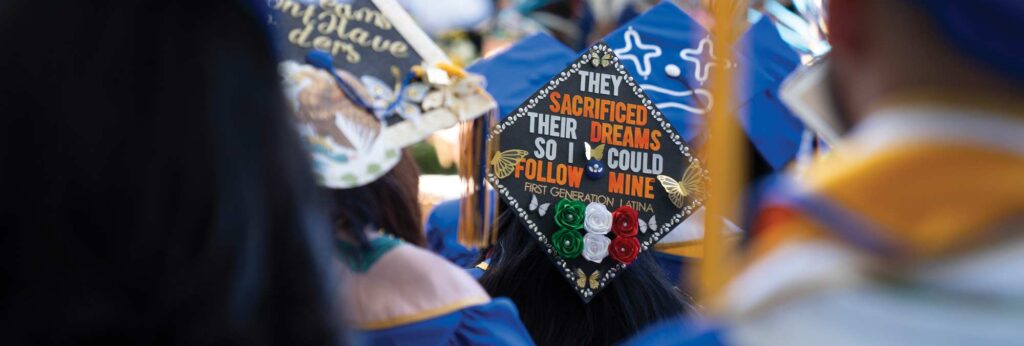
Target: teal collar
[[360, 259]]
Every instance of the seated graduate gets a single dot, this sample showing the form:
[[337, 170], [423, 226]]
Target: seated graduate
[[153, 190], [582, 206], [356, 128], [911, 230], [397, 293]]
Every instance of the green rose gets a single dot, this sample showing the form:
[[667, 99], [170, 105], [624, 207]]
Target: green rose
[[568, 243], [569, 214]]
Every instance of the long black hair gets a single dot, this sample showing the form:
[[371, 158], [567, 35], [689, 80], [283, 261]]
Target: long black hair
[[551, 310], [154, 190], [390, 203]]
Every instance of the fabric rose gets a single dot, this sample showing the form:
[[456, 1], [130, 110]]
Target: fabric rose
[[595, 247], [568, 243], [569, 214], [624, 249], [598, 219], [624, 221]]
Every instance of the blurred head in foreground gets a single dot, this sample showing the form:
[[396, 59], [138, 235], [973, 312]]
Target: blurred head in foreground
[[887, 51], [159, 194]]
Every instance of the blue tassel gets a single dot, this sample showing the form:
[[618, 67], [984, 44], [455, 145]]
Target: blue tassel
[[325, 61]]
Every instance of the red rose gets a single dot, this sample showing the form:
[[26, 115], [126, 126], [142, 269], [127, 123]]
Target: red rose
[[624, 249], [624, 221]]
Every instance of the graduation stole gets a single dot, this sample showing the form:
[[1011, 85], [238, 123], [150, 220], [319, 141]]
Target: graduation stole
[[916, 201]]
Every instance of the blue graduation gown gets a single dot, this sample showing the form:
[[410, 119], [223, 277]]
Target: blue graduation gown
[[494, 323], [442, 230]]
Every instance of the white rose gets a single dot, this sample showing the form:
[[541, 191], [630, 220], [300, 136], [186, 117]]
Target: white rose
[[597, 219], [595, 247]]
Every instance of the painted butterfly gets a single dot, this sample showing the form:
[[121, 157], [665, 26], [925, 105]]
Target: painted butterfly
[[651, 224], [541, 209]]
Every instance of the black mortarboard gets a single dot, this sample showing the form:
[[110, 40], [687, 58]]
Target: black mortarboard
[[594, 170]]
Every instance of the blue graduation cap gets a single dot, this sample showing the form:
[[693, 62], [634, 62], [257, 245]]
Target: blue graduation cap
[[770, 126], [513, 74], [652, 48], [518, 71], [674, 57]]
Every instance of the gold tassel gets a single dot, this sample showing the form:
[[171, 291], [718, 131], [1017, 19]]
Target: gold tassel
[[724, 152], [475, 229], [452, 70]]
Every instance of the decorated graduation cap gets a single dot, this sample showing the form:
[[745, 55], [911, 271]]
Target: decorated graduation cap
[[364, 81], [674, 57], [594, 170]]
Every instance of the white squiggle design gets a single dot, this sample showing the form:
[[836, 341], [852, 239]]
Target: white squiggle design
[[702, 93], [703, 68], [682, 106], [648, 51]]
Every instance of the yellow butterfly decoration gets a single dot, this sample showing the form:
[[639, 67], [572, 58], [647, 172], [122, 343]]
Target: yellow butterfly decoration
[[692, 185], [599, 60], [594, 153], [582, 279], [504, 162]]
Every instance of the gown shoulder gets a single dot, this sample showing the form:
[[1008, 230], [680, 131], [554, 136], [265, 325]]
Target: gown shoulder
[[411, 295]]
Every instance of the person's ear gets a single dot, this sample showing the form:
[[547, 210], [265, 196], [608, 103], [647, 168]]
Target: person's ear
[[848, 25]]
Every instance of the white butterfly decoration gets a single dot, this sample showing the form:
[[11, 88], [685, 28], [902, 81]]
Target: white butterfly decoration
[[541, 209], [650, 224], [382, 96]]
